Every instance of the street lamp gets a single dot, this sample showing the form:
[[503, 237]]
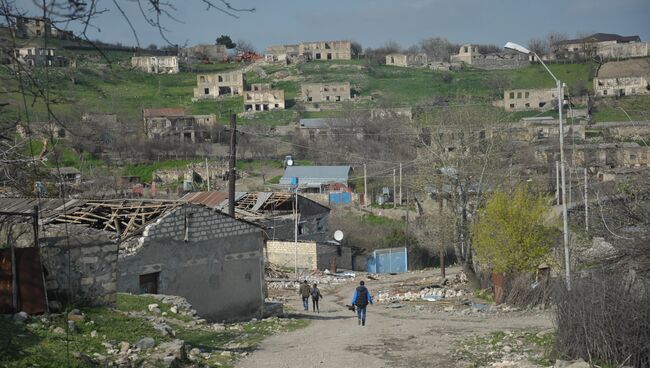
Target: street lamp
[[560, 98]]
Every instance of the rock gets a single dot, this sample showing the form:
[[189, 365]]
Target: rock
[[75, 315], [93, 334], [153, 308], [124, 347], [21, 317], [164, 329], [506, 349], [59, 331], [55, 306], [72, 326], [218, 327], [145, 343], [578, 364], [173, 309], [226, 353], [170, 354]]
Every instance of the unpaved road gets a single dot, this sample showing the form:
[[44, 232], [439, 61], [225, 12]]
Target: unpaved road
[[392, 337]]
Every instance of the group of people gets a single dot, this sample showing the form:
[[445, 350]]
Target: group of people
[[360, 300]]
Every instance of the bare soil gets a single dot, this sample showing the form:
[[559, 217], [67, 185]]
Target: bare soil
[[412, 335]]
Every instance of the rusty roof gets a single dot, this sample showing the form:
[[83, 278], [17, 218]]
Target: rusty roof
[[211, 199], [164, 112]]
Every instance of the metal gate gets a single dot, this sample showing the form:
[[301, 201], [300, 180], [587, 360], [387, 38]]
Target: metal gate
[[340, 198], [391, 260], [29, 293]]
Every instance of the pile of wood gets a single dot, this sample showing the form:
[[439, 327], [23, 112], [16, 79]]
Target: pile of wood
[[273, 271]]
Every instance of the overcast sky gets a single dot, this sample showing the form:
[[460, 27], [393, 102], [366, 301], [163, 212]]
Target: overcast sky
[[373, 22]]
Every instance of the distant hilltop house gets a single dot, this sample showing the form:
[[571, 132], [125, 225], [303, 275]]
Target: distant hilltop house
[[407, 60], [261, 97], [317, 179], [209, 86], [529, 99], [325, 92], [600, 155], [604, 45], [321, 50], [27, 27], [203, 53], [173, 124], [623, 78], [314, 128], [155, 64], [469, 54], [40, 57]]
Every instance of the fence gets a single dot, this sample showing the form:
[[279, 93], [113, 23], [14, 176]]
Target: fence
[[392, 260]]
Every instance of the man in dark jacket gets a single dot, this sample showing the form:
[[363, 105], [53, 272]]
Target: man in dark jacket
[[361, 299], [305, 292]]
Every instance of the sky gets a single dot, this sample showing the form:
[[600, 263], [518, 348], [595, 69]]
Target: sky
[[372, 22]]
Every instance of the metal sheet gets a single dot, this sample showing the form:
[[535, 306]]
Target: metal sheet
[[6, 289], [31, 293]]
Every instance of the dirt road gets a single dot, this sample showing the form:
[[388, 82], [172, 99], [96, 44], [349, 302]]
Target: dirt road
[[392, 337]]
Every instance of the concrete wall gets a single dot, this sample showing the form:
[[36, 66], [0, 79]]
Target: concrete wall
[[626, 86], [310, 255], [624, 50], [219, 269], [264, 100], [325, 92], [215, 85]]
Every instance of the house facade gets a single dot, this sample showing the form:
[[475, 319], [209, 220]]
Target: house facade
[[210, 86], [262, 97], [529, 99], [174, 125], [407, 60], [325, 92], [623, 78], [155, 64], [470, 54]]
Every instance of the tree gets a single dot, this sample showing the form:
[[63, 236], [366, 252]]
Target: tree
[[512, 233], [356, 49], [538, 46], [244, 46], [226, 41], [437, 48], [378, 55]]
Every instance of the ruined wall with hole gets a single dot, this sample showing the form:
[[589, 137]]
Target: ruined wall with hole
[[203, 255]]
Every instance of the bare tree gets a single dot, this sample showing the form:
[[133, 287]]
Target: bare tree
[[244, 46], [538, 46], [438, 48], [356, 49]]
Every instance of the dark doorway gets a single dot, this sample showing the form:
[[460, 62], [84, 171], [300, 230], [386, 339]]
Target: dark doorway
[[149, 283]]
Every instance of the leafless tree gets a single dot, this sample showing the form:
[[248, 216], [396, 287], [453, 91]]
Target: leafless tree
[[538, 45], [438, 48], [244, 46], [378, 55], [356, 49]]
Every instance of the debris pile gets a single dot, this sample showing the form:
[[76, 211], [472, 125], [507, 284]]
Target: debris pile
[[274, 271], [447, 289]]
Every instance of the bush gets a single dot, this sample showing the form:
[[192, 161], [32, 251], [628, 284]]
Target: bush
[[604, 318]]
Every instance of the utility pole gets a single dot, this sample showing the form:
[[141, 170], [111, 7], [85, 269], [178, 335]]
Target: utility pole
[[231, 165], [207, 172], [442, 242], [557, 183], [295, 236], [400, 183], [365, 186], [406, 224], [565, 215], [586, 205], [394, 190]]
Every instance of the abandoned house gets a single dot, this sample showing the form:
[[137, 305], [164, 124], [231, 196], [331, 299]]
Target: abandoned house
[[315, 128], [529, 99], [274, 211], [174, 125], [471, 55], [597, 156], [623, 78], [282, 53], [407, 60], [604, 45], [155, 64], [40, 57], [317, 179], [203, 53], [261, 97], [309, 255], [28, 27], [41, 130], [326, 50], [325, 92], [381, 113], [220, 84]]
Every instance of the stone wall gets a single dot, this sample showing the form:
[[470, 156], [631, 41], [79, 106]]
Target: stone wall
[[203, 255], [624, 50], [310, 255]]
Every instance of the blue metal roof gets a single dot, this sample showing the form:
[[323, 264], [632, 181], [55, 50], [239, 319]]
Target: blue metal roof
[[315, 176]]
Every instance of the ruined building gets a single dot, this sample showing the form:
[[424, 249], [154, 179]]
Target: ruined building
[[529, 99], [203, 53], [27, 27], [623, 78], [321, 50], [470, 55], [220, 84], [155, 64], [604, 45], [283, 53], [40, 57], [261, 97], [325, 92], [174, 125], [407, 60]]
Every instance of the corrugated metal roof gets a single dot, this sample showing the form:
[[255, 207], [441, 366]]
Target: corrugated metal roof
[[48, 207], [315, 176], [211, 199], [322, 123]]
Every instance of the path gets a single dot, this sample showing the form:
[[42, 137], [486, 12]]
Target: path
[[392, 337]]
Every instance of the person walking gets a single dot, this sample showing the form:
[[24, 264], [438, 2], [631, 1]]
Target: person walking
[[304, 292], [361, 299], [315, 297]]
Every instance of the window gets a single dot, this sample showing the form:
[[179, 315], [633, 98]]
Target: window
[[329, 56], [220, 78], [202, 79], [632, 157], [206, 91], [542, 104], [527, 105], [518, 94], [338, 98], [327, 98], [604, 92], [301, 229], [318, 56], [512, 95], [149, 283], [465, 48], [527, 94], [512, 106], [277, 106], [309, 99]]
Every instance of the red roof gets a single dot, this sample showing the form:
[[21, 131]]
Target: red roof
[[165, 112]]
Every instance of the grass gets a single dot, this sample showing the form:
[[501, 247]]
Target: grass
[[371, 219], [614, 109]]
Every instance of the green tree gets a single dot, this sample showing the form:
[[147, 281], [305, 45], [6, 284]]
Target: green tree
[[513, 233], [226, 41]]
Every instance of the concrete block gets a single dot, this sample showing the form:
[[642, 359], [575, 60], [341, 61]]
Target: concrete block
[[89, 259], [110, 286], [87, 281], [90, 250]]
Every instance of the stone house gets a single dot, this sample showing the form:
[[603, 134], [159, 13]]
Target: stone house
[[407, 60], [40, 57], [623, 78], [282, 53], [469, 54], [274, 211], [174, 125], [529, 99], [596, 156], [325, 92], [27, 27], [311, 255], [200, 53], [220, 84], [155, 64], [604, 45], [261, 97], [315, 128], [326, 50]]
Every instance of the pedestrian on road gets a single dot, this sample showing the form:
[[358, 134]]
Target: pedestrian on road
[[315, 296], [304, 292], [361, 299]]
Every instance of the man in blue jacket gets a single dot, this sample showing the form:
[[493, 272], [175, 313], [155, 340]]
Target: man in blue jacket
[[361, 299]]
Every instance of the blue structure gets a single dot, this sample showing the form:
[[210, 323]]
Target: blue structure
[[391, 260], [340, 198]]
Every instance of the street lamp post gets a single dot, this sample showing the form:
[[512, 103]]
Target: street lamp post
[[560, 98]]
